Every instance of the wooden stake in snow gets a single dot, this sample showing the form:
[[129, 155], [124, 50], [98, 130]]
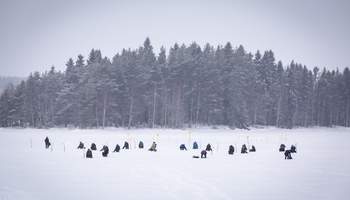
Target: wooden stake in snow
[[189, 138], [248, 142]]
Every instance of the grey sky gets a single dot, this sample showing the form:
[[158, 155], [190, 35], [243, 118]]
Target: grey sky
[[36, 34]]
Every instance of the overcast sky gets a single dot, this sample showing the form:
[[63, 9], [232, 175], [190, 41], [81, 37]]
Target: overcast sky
[[36, 34]]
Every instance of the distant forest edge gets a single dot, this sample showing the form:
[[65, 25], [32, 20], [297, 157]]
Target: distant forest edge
[[186, 87]]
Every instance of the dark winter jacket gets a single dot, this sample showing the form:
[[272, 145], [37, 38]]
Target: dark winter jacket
[[231, 150], [244, 149], [47, 142], [293, 149], [282, 147], [153, 147], [208, 148], [195, 145], [140, 145], [252, 149], [126, 145], [204, 154], [89, 154], [105, 151], [183, 147], [93, 147], [117, 148], [81, 146], [287, 155]]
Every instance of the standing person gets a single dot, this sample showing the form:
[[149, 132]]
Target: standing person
[[47, 143]]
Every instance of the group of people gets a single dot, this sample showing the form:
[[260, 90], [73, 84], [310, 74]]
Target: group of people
[[231, 149], [288, 152], [105, 149]]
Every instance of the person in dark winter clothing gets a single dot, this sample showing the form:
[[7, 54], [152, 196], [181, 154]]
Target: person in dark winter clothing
[[282, 148], [105, 151], [153, 147], [47, 143], [244, 149], [88, 153], [93, 147], [140, 145], [117, 148], [287, 155], [252, 149], [231, 150], [183, 147], [204, 154], [293, 149], [81, 145], [126, 145], [195, 145], [208, 148]]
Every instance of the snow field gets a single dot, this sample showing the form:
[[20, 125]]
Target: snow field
[[320, 169]]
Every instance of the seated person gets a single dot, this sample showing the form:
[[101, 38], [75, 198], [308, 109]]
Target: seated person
[[105, 151], [81, 145], [140, 145], [282, 147], [153, 147], [183, 147], [126, 145], [208, 148], [293, 149], [117, 148], [195, 145], [93, 147], [287, 155], [244, 149], [252, 149], [231, 150], [89, 154]]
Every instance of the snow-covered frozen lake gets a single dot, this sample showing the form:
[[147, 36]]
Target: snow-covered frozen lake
[[320, 169]]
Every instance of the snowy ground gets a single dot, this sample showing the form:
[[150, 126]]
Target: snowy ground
[[320, 170]]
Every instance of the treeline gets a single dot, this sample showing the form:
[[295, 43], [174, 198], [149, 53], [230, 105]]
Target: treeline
[[188, 86], [6, 80]]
